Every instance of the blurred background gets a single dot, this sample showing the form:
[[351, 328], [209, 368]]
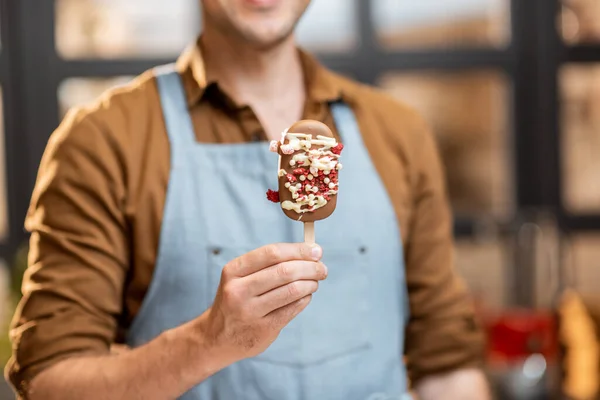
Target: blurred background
[[511, 87]]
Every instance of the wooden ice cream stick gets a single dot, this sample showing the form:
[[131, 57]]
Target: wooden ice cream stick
[[307, 173], [309, 232]]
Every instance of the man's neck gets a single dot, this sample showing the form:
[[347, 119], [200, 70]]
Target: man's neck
[[270, 81]]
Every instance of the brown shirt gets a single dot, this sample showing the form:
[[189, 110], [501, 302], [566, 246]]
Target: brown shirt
[[96, 211]]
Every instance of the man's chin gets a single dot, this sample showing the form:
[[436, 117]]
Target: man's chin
[[267, 45], [267, 42]]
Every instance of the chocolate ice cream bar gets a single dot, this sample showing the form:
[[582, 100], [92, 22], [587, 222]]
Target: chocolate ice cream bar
[[308, 171]]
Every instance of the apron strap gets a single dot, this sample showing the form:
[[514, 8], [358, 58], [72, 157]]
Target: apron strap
[[349, 130], [174, 106], [346, 123]]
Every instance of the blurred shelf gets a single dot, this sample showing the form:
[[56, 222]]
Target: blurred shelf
[[446, 59], [588, 222], [584, 53], [119, 67], [464, 227], [351, 62], [105, 68]]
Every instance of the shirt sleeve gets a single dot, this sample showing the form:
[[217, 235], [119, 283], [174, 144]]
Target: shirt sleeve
[[443, 333], [72, 289]]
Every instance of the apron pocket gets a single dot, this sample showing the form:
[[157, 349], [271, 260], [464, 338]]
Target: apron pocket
[[334, 324]]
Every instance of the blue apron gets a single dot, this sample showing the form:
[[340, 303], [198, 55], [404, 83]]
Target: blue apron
[[348, 343]]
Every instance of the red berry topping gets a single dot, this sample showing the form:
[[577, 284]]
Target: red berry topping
[[291, 178], [273, 196], [338, 149]]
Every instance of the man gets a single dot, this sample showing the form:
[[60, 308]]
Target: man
[[149, 227]]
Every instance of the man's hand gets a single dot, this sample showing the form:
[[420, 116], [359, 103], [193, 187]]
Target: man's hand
[[259, 294]]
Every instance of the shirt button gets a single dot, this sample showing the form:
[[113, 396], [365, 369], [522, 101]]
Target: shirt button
[[216, 251], [362, 250]]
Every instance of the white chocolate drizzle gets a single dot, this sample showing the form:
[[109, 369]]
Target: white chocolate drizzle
[[312, 159]]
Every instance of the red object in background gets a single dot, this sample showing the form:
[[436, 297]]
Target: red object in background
[[516, 334]]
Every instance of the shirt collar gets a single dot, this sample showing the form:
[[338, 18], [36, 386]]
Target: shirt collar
[[322, 85]]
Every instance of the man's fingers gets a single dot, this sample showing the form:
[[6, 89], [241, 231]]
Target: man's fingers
[[284, 295], [282, 316], [272, 254], [282, 274]]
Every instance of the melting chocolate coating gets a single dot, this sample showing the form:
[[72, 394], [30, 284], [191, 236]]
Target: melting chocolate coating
[[313, 128]]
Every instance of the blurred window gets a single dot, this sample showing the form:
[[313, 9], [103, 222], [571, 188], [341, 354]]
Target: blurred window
[[156, 28], [451, 23], [125, 28], [583, 263], [468, 112], [580, 95], [329, 25], [580, 21], [75, 92]]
